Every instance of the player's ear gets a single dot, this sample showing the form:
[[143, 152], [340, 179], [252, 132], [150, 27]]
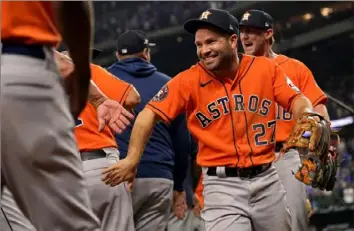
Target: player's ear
[[233, 41], [268, 34], [146, 54]]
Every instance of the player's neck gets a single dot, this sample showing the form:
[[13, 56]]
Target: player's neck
[[269, 53]]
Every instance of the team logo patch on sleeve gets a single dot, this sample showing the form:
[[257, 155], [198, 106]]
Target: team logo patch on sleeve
[[161, 95], [291, 84]]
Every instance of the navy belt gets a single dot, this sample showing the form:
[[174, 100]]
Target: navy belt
[[35, 51], [250, 172]]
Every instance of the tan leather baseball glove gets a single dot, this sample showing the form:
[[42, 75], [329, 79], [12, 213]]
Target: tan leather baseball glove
[[318, 159]]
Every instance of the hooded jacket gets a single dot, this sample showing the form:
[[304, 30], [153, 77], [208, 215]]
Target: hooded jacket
[[167, 152]]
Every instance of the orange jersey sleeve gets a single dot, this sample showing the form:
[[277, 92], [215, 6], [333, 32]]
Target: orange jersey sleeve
[[302, 77], [284, 89], [28, 22], [87, 136], [113, 87], [172, 99], [308, 85]]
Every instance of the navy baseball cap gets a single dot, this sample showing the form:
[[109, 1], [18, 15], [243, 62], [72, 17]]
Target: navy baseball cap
[[220, 19], [132, 42], [257, 19]]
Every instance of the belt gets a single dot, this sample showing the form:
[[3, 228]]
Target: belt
[[278, 146], [91, 155], [35, 51], [250, 172]]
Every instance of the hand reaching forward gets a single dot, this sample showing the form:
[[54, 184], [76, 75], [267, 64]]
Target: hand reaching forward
[[123, 170], [113, 114]]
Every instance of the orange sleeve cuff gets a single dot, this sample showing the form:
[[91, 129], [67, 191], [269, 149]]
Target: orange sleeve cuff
[[293, 100], [320, 100], [125, 94], [159, 112]]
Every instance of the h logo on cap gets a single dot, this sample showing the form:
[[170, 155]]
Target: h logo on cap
[[246, 16], [205, 15]]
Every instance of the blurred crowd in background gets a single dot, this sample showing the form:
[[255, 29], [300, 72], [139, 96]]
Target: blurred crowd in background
[[320, 34]]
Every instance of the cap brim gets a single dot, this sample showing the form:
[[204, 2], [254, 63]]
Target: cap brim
[[95, 53], [191, 26], [249, 24]]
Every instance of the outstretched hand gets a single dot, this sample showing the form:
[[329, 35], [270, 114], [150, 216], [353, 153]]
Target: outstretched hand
[[114, 115]]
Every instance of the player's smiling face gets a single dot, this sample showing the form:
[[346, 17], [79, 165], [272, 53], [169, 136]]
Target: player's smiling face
[[253, 40], [215, 50]]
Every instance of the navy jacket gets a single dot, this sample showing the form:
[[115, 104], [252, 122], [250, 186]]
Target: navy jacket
[[168, 149]]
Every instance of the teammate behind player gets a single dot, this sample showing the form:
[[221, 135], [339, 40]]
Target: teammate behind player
[[256, 29], [229, 100], [163, 166]]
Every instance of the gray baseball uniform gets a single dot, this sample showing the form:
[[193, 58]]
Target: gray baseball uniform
[[112, 205], [247, 204], [152, 200], [189, 223], [17, 221], [286, 167], [39, 158]]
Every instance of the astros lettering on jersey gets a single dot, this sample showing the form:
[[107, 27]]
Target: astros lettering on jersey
[[233, 120]]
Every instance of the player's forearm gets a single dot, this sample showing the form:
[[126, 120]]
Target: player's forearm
[[95, 96], [75, 23], [140, 134], [301, 105], [322, 110]]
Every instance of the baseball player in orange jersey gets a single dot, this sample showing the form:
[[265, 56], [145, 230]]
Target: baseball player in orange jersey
[[113, 206], [229, 100], [256, 35], [39, 159]]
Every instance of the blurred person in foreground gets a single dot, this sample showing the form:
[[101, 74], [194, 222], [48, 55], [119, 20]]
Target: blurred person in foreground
[[256, 34], [164, 163], [40, 164]]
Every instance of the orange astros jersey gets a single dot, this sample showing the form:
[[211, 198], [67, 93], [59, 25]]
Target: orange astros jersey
[[233, 120], [86, 130], [34, 26], [302, 77]]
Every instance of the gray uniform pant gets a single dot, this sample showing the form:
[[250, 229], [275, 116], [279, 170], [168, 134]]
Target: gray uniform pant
[[152, 200], [256, 204], [39, 159], [189, 223], [112, 205], [295, 190]]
